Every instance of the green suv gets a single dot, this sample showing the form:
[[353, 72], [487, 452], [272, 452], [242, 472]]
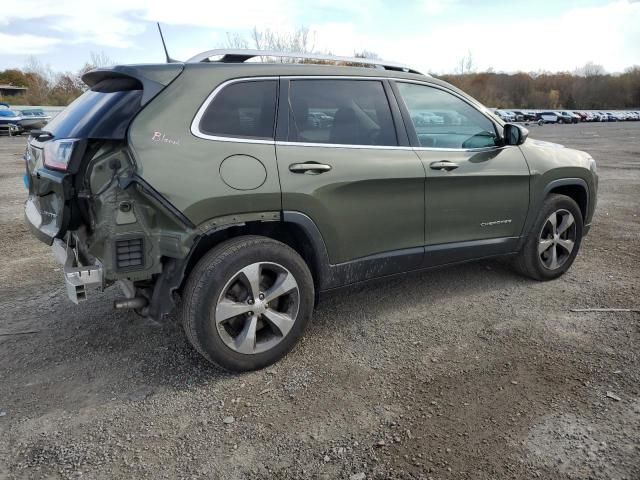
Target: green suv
[[240, 191]]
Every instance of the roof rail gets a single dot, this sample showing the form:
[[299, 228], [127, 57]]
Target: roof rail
[[242, 55]]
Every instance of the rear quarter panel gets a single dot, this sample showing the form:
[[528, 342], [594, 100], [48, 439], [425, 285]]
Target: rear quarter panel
[[185, 168]]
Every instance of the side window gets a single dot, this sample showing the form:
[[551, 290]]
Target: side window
[[442, 120], [243, 109], [345, 112]]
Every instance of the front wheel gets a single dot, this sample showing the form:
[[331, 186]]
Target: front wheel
[[247, 303], [554, 241]]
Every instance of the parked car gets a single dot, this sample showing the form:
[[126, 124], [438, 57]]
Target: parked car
[[569, 117], [518, 116], [506, 115], [549, 117], [582, 116], [320, 119], [526, 115], [190, 183], [601, 116], [590, 117]]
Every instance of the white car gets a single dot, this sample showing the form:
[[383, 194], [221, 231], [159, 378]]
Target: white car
[[505, 115], [548, 117]]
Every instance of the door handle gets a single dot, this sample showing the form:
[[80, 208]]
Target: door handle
[[310, 167], [444, 165]]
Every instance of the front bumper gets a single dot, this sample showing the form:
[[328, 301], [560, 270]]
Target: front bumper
[[79, 279]]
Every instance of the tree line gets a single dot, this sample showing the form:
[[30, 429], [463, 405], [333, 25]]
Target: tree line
[[588, 88], [47, 87]]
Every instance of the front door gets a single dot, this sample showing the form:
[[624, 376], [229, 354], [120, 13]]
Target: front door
[[342, 166], [477, 191]]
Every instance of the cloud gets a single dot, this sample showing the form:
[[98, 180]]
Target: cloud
[[25, 44], [113, 23], [436, 7], [607, 34], [554, 40]]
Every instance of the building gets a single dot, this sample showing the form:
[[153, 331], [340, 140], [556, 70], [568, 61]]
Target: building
[[11, 90]]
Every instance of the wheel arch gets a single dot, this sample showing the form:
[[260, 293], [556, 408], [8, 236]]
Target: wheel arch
[[574, 188], [295, 229]]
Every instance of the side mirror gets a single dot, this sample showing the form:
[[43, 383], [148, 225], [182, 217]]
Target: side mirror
[[515, 134]]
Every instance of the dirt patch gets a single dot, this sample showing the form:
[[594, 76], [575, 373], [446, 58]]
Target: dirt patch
[[470, 372]]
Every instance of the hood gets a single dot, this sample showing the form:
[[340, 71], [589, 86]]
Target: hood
[[539, 143]]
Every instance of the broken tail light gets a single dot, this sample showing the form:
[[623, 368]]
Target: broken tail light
[[62, 154]]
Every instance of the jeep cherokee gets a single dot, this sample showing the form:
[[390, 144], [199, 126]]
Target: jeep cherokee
[[240, 190]]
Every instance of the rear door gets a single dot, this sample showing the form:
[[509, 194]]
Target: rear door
[[344, 164], [477, 191]]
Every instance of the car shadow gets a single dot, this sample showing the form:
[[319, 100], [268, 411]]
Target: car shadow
[[89, 354]]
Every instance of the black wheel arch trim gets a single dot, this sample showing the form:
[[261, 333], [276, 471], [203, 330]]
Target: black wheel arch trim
[[575, 182], [559, 182], [563, 182]]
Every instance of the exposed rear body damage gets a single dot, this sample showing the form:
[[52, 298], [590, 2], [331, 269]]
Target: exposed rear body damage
[[249, 189]]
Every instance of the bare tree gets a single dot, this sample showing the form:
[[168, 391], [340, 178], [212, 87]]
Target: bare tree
[[465, 64], [367, 54], [235, 40], [300, 40], [590, 69], [41, 80], [101, 60]]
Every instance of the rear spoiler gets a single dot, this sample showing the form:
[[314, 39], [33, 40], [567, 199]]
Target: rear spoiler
[[151, 79]]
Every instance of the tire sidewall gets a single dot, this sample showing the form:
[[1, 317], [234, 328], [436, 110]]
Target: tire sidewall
[[552, 204], [214, 278]]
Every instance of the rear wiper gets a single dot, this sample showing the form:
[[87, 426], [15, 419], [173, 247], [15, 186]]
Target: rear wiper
[[41, 134]]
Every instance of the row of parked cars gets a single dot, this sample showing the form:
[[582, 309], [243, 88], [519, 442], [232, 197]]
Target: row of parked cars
[[565, 116]]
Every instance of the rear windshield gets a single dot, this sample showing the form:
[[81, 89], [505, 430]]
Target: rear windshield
[[104, 112]]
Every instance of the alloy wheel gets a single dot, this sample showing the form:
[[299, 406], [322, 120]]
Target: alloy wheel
[[557, 239], [257, 308]]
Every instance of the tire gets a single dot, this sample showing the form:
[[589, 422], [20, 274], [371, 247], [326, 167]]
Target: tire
[[536, 261], [560, 121], [540, 122], [224, 322]]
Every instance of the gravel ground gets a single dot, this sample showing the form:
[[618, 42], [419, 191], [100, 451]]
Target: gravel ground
[[469, 372]]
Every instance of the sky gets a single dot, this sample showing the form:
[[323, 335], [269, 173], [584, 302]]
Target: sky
[[429, 35]]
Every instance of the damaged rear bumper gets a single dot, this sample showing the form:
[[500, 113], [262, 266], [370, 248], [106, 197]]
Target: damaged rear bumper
[[79, 279]]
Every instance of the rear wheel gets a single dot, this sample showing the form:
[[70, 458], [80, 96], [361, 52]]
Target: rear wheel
[[247, 302], [553, 243]]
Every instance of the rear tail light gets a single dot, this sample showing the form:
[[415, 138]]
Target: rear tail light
[[59, 154]]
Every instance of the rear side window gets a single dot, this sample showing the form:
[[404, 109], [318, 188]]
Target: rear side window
[[442, 120], [243, 110], [105, 111], [343, 112]]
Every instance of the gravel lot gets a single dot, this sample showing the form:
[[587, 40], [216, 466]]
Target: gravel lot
[[469, 372]]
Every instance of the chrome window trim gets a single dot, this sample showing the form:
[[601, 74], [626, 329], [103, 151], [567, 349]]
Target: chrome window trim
[[195, 124], [484, 111]]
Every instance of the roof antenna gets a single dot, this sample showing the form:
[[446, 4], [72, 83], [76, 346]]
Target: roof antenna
[[169, 59]]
